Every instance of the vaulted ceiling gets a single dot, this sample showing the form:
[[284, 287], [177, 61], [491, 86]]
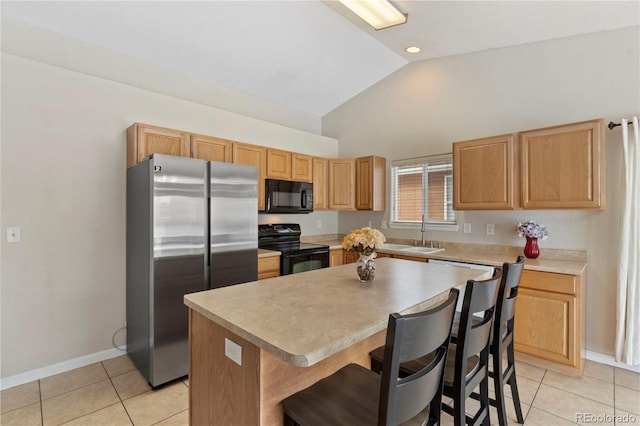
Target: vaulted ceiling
[[308, 55]]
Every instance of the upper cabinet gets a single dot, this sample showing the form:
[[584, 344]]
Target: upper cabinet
[[320, 182], [560, 167], [483, 174], [563, 166], [342, 181], [144, 140], [357, 183], [210, 148], [371, 174], [278, 164], [253, 155], [301, 167]]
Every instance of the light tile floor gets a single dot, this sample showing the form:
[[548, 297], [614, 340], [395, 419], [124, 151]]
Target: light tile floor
[[114, 393]]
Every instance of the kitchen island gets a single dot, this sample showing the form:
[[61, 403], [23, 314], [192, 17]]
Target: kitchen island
[[288, 332]]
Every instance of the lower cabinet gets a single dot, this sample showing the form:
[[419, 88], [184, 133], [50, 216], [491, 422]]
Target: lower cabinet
[[336, 257], [350, 256], [268, 267], [549, 322]]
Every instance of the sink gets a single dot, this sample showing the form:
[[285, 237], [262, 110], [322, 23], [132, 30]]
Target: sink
[[423, 249], [395, 246], [411, 249]]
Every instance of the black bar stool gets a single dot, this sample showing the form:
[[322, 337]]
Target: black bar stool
[[355, 395], [468, 358]]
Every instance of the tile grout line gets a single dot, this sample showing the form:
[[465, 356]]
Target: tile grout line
[[124, 407]]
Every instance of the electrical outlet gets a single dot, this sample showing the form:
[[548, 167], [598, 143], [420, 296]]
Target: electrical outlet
[[233, 351], [318, 224], [467, 228], [383, 225], [369, 223], [490, 228], [13, 234]]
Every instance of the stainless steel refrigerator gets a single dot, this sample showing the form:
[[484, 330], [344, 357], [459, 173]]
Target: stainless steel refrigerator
[[191, 225]]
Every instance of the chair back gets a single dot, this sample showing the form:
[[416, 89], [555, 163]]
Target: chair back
[[410, 337], [506, 303], [473, 336]]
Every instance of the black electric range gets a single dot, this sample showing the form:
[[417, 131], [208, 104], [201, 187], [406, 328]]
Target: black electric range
[[296, 256]]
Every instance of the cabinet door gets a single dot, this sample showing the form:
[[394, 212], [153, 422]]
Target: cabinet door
[[252, 155], [545, 325], [350, 256], [301, 168], [144, 140], [209, 148], [278, 164], [336, 257], [320, 198], [483, 174], [342, 191], [370, 183], [562, 166]]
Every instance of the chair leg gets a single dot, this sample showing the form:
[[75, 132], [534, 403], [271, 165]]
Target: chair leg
[[514, 384], [498, 385], [484, 400]]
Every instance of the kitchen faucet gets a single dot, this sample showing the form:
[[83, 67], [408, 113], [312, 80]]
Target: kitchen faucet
[[423, 230]]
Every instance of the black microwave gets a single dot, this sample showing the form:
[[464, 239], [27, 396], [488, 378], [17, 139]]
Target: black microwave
[[285, 196]]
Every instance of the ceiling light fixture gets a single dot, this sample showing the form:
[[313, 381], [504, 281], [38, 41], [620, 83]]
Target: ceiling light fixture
[[412, 49], [379, 14]]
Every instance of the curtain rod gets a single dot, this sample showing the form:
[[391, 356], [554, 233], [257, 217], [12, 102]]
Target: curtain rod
[[612, 124]]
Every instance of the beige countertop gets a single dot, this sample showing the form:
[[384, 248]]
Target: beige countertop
[[305, 318], [551, 260]]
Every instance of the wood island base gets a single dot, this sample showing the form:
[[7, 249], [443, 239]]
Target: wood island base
[[222, 392]]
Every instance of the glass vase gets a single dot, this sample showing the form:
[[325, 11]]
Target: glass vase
[[366, 267], [531, 249]]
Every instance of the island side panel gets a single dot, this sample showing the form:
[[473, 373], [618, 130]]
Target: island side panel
[[279, 379], [221, 392]]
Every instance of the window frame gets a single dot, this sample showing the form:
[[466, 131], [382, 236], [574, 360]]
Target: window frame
[[424, 163]]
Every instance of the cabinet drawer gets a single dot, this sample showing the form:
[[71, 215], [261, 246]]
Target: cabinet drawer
[[547, 281], [268, 267]]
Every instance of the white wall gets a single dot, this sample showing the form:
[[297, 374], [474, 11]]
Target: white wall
[[63, 183], [421, 109]]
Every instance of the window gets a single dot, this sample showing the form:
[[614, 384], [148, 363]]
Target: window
[[422, 186]]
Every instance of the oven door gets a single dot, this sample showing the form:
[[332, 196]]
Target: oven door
[[295, 262]]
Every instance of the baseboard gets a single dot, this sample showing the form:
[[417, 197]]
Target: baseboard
[[610, 360], [61, 367]]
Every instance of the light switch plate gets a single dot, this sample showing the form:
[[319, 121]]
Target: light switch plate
[[467, 228], [233, 351], [490, 228], [13, 234]]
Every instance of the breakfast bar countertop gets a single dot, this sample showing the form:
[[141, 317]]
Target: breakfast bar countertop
[[305, 318]]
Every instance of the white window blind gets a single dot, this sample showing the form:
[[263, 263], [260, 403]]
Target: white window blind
[[422, 186]]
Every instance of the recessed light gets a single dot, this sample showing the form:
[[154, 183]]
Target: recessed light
[[412, 49]]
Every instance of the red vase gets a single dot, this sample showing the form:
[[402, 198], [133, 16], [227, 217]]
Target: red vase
[[531, 249]]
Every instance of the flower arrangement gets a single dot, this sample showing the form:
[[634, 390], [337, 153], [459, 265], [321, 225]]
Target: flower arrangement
[[532, 230], [364, 240]]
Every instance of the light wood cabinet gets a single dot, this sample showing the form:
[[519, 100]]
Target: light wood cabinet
[[268, 267], [342, 190], [563, 166], [301, 167], [336, 257], [320, 196], [253, 155], [549, 321], [370, 183], [560, 167], [278, 164], [144, 140], [210, 148], [483, 174], [350, 256]]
